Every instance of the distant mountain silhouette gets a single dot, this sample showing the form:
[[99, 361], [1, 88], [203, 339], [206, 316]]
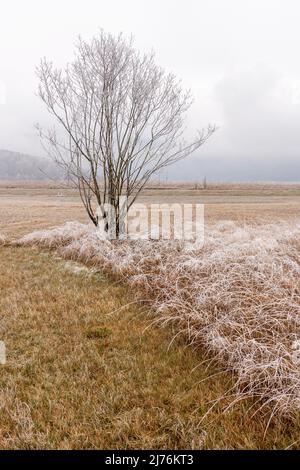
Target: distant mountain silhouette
[[18, 166]]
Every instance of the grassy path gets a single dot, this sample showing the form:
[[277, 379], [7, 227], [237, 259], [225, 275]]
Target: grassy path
[[79, 377]]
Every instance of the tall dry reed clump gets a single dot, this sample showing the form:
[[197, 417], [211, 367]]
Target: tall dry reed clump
[[239, 296], [2, 240]]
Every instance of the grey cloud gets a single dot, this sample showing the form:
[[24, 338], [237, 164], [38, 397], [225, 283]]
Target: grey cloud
[[239, 58]]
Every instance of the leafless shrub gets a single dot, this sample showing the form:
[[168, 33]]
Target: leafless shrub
[[239, 296]]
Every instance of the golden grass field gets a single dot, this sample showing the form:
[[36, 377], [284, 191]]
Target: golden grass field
[[84, 367], [29, 206]]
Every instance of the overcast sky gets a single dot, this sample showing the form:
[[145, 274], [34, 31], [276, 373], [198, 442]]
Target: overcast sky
[[241, 59]]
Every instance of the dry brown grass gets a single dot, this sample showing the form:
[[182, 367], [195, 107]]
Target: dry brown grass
[[24, 208], [239, 295]]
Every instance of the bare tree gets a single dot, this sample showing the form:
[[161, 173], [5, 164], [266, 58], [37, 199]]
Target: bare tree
[[122, 118]]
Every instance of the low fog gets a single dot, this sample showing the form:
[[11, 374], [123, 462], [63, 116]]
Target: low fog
[[239, 58]]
